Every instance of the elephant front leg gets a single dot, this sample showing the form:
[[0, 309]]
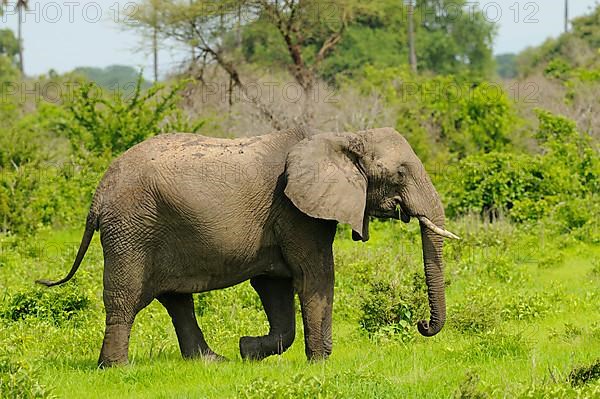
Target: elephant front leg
[[277, 297], [316, 301]]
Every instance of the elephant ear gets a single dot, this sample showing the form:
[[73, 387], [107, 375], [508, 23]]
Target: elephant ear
[[325, 180]]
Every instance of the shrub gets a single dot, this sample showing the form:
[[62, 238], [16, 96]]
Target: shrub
[[443, 113], [96, 124], [57, 305], [473, 388], [489, 184], [560, 391], [391, 309], [299, 386], [527, 307], [19, 381], [38, 194], [478, 312], [562, 179], [585, 374]]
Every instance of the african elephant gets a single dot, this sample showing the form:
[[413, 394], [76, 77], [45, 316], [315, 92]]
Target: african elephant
[[181, 213]]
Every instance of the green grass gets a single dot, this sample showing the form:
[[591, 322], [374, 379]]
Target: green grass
[[523, 312]]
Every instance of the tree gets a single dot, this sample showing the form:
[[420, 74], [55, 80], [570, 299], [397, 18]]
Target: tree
[[454, 37], [9, 45], [21, 5], [306, 32], [578, 47], [146, 20], [9, 49], [451, 37]]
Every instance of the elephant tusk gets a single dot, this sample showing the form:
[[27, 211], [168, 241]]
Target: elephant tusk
[[431, 226]]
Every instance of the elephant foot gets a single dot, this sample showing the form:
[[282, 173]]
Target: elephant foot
[[214, 357], [207, 356], [251, 348], [258, 348], [106, 364]]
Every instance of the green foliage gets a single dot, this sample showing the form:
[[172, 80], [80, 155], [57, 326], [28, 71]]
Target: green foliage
[[585, 374], [9, 45], [58, 305], [375, 33], [46, 193], [110, 126], [9, 48], [443, 113], [496, 181], [579, 46], [528, 307], [484, 120], [38, 186], [391, 309], [529, 187], [8, 73], [299, 386], [448, 43], [560, 391], [18, 380], [477, 313]]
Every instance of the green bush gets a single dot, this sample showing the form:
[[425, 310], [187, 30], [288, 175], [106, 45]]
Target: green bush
[[560, 182], [444, 114], [585, 374], [45, 193], [299, 386], [99, 125], [477, 313], [394, 309], [527, 307], [57, 305], [39, 187], [488, 184], [560, 391], [19, 381]]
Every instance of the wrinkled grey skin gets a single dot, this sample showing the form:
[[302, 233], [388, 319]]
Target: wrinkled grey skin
[[181, 214]]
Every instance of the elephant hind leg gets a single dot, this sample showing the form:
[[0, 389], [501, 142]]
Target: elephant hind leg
[[124, 297], [121, 309], [191, 340], [277, 297]]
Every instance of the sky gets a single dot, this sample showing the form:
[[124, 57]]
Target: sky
[[64, 34]]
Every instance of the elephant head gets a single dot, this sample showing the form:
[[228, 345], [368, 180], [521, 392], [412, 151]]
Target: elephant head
[[350, 176]]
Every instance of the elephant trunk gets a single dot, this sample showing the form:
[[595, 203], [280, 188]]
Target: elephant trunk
[[434, 273]]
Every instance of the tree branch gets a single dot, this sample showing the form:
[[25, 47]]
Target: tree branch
[[234, 75]]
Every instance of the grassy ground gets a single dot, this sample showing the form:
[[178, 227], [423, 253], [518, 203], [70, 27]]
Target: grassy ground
[[523, 313]]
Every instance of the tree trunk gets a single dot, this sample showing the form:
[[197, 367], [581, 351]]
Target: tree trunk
[[20, 37], [566, 16], [411, 37], [155, 52]]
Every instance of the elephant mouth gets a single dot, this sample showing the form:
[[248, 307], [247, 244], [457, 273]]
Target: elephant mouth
[[402, 214], [397, 213]]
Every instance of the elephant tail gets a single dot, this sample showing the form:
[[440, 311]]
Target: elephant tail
[[91, 225]]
